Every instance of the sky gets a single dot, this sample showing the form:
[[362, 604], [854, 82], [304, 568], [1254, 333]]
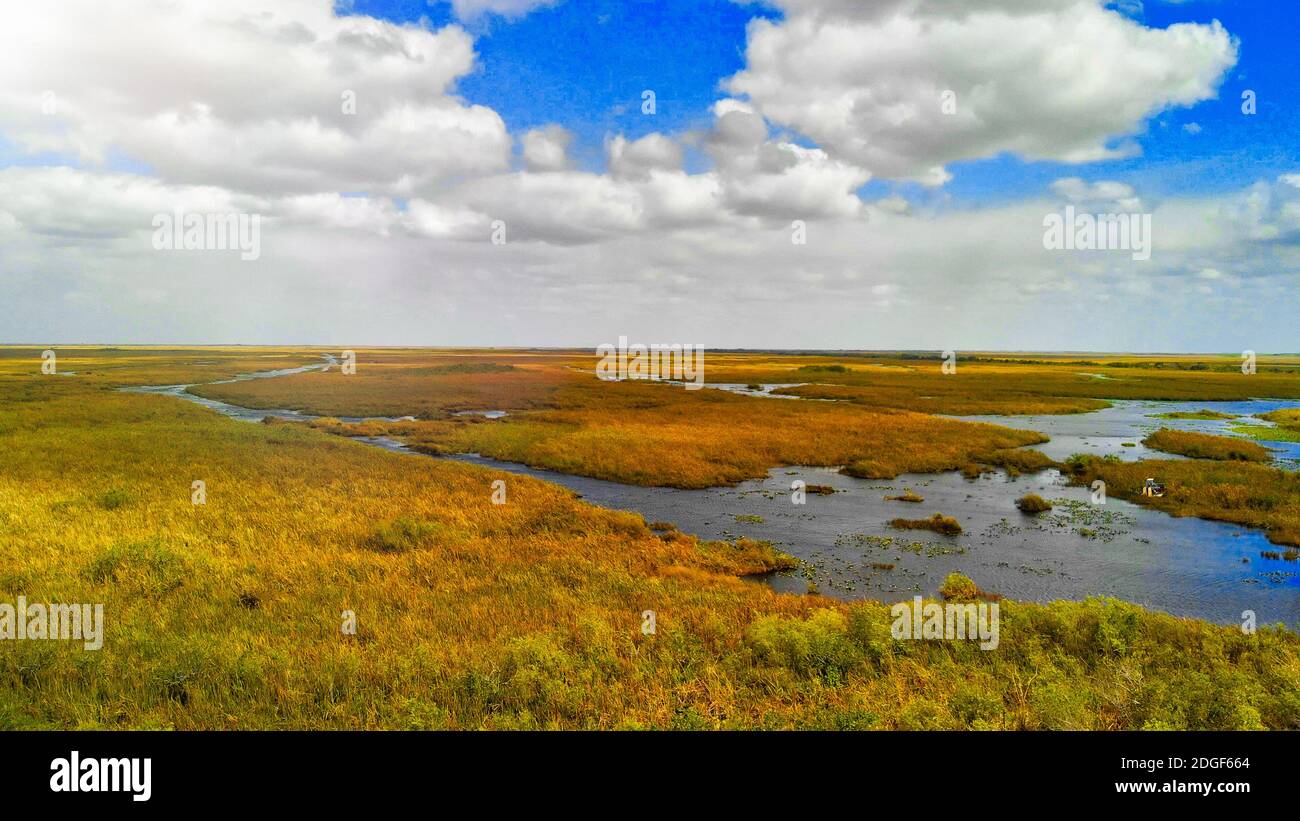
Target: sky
[[805, 174]]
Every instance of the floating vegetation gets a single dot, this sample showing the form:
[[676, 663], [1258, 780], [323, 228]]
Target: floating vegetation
[[1001, 528], [1090, 521], [889, 543], [1278, 576], [1035, 571], [750, 517]]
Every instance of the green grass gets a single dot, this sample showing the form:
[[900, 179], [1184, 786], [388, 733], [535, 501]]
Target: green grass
[[1267, 433]]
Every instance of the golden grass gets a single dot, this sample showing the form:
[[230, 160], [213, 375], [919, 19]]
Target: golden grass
[[939, 523], [907, 496], [663, 435], [417, 387], [521, 615], [1244, 493], [1032, 503], [1206, 446], [985, 384]]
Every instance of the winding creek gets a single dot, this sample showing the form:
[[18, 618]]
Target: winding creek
[[1184, 566]]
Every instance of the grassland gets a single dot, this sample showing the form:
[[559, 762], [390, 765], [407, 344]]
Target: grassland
[[1206, 446], [651, 434], [526, 614]]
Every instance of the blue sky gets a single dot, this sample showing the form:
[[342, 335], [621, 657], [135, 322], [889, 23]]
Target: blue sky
[[584, 63]]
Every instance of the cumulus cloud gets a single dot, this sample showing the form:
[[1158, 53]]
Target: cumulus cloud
[[775, 178], [286, 97], [1044, 79], [546, 149], [637, 158]]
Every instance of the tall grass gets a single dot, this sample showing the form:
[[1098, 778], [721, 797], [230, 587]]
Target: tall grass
[[529, 614]]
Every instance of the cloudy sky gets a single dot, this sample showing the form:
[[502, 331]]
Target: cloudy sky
[[787, 173]]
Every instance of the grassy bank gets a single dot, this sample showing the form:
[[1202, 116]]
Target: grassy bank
[[1244, 493]]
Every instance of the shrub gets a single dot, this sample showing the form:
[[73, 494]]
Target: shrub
[[819, 646], [1032, 503], [958, 587]]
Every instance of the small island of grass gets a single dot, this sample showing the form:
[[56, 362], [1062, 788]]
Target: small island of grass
[[1202, 414], [1032, 503], [1206, 446], [939, 523], [908, 496]]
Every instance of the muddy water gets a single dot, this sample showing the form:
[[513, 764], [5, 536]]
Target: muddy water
[[1186, 566]]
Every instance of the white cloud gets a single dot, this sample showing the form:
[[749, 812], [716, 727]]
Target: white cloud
[[247, 96], [1102, 194], [638, 158], [471, 9], [546, 149], [1043, 79]]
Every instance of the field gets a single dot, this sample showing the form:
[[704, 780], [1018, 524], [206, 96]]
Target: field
[[530, 614]]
